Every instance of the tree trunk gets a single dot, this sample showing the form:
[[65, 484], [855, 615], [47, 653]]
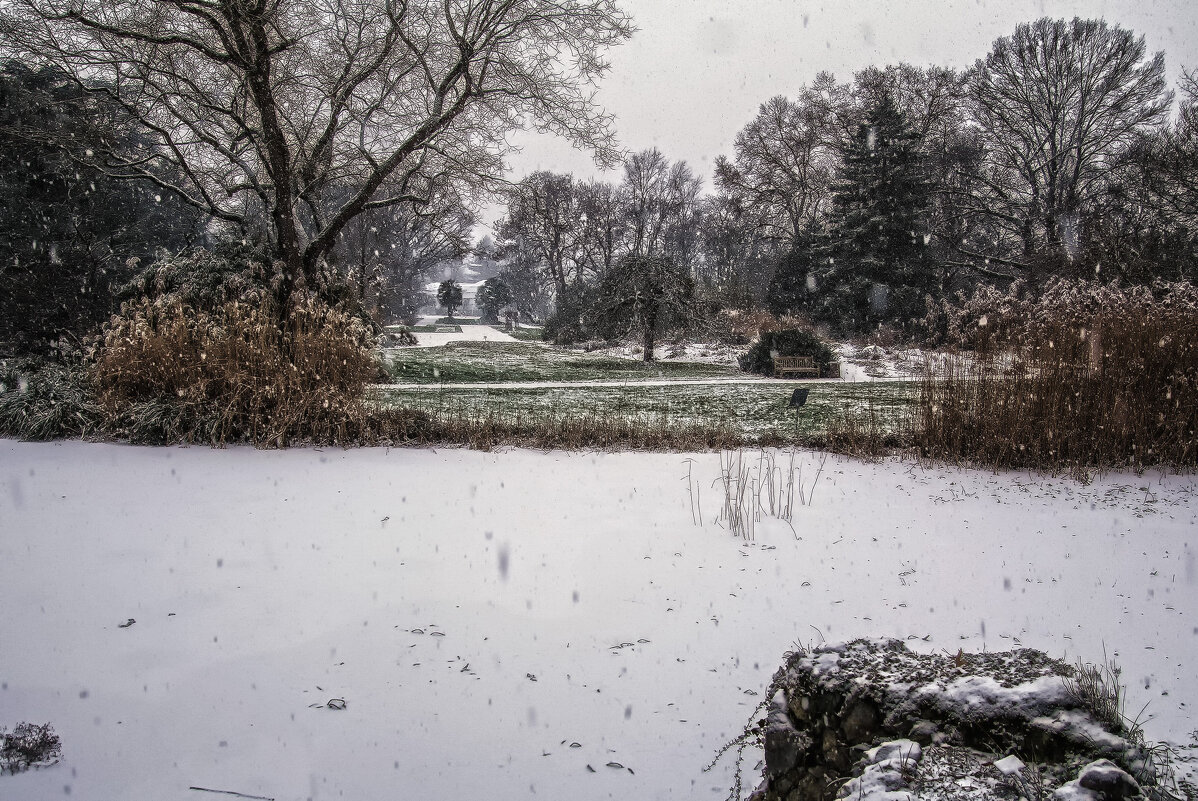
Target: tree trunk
[[559, 281], [650, 333]]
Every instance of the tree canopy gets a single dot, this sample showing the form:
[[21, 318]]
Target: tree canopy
[[1060, 101], [295, 116], [69, 234], [449, 295]]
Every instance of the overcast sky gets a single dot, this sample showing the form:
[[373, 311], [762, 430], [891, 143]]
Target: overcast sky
[[696, 70]]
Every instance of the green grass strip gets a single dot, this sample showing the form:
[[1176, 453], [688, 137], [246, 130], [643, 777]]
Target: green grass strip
[[503, 362], [752, 410]]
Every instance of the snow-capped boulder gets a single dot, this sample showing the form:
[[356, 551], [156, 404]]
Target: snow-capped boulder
[[872, 720]]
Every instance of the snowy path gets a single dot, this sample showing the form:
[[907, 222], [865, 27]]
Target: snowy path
[[469, 333], [481, 613], [651, 382]]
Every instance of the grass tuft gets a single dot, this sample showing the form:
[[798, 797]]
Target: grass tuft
[[46, 400], [1097, 689]]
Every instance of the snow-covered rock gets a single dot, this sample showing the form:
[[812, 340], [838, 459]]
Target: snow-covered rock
[[870, 719]]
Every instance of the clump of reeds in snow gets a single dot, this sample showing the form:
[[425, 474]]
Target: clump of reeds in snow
[[1098, 689], [240, 372], [754, 489]]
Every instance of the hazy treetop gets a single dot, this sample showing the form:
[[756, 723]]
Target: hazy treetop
[[695, 73]]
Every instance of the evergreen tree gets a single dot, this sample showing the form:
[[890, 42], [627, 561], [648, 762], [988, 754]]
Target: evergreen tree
[[492, 296], [876, 268], [68, 232], [449, 295], [792, 286]]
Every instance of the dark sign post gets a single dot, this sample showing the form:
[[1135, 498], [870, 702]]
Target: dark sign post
[[797, 399]]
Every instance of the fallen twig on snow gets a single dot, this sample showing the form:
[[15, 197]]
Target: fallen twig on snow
[[232, 792]]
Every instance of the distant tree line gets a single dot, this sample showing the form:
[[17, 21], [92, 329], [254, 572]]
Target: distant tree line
[[348, 144], [855, 204]]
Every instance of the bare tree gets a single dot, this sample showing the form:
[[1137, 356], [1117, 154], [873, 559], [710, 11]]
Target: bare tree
[[929, 98], [737, 260], [783, 166], [1058, 101], [542, 220], [388, 252], [604, 222], [1172, 157], [263, 105], [662, 207]]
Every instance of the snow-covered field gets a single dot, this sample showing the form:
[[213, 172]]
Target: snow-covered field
[[468, 333], [498, 622]]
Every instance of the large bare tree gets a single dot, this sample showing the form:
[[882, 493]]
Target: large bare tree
[[543, 220], [1058, 102], [784, 162], [270, 108], [662, 206]]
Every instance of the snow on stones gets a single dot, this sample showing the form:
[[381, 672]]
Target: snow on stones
[[869, 719]]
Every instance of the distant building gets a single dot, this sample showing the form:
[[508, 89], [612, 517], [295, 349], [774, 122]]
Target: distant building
[[470, 272], [469, 307]]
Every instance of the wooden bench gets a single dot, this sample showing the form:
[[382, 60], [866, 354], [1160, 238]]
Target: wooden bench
[[795, 365]]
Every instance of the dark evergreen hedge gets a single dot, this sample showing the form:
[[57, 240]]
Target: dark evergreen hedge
[[791, 342]]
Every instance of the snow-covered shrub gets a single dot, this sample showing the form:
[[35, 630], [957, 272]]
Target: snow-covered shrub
[[41, 400], [977, 321], [790, 342], [205, 279], [28, 745]]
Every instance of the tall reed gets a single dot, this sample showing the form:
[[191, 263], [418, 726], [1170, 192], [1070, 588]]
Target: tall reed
[[168, 372], [1107, 379]]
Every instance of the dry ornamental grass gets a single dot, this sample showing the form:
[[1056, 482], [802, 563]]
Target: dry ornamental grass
[[1093, 377], [168, 372]]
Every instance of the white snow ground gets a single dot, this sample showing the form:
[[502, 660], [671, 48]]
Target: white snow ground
[[480, 613], [469, 333]]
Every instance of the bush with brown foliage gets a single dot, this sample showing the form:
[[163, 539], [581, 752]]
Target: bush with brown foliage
[[1088, 376], [744, 326], [206, 351], [242, 372]]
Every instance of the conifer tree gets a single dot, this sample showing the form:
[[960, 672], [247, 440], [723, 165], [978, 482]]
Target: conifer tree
[[875, 268], [449, 295]]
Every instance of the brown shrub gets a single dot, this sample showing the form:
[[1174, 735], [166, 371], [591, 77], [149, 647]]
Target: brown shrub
[[748, 325], [168, 372], [1102, 377]]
